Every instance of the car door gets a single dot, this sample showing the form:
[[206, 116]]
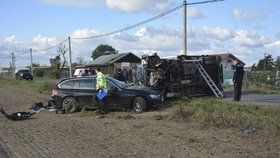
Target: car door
[[85, 91], [117, 98]]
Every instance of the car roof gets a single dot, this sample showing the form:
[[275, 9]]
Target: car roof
[[84, 77]]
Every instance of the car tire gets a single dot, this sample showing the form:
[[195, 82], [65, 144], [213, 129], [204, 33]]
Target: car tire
[[69, 105], [139, 104], [20, 78]]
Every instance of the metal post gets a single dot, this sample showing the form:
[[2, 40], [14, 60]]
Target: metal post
[[31, 60], [70, 57], [13, 63], [185, 27]]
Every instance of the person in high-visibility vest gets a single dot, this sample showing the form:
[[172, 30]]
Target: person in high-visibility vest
[[101, 85]]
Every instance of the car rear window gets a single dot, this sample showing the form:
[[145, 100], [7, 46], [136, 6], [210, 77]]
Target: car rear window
[[67, 84], [85, 84]]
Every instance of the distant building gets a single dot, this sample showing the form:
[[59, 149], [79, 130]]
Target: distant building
[[110, 63], [228, 61], [45, 72]]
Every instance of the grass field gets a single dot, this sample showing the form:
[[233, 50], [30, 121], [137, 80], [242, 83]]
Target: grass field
[[214, 112], [31, 86]]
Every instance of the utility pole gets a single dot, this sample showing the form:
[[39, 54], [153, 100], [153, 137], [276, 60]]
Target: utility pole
[[70, 57], [13, 63], [31, 60], [185, 27]]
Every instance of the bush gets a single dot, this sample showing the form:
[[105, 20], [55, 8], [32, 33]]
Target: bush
[[46, 87]]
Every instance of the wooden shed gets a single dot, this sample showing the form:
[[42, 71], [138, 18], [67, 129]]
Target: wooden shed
[[110, 63]]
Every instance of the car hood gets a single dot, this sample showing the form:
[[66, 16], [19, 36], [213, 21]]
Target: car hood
[[143, 88]]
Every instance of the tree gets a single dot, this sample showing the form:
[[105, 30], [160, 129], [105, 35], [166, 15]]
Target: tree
[[63, 50], [278, 63], [266, 63], [103, 50], [81, 60]]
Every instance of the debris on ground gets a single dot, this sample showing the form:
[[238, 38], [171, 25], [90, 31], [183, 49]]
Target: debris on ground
[[250, 130], [37, 107], [17, 116]]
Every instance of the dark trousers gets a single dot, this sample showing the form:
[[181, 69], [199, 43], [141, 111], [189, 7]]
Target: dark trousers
[[237, 91], [102, 105]]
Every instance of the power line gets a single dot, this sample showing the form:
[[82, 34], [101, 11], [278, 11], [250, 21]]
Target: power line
[[133, 26], [210, 1], [145, 21], [21, 52]]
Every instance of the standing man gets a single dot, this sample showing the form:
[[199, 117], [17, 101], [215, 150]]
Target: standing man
[[237, 79], [101, 85], [125, 74], [119, 75]]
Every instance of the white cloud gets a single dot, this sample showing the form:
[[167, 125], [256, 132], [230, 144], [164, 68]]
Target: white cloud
[[248, 15], [72, 3], [248, 45], [10, 39], [216, 33], [196, 14], [83, 33], [249, 39], [134, 6], [274, 44]]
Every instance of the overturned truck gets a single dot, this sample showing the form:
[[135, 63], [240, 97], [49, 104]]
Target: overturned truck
[[184, 75]]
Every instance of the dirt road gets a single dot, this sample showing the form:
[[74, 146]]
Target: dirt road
[[118, 135]]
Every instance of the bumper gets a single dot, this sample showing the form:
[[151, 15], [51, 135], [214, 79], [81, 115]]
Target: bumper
[[155, 102], [26, 77], [55, 101]]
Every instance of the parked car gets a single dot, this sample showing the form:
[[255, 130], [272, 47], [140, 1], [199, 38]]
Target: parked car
[[79, 72], [24, 74], [74, 93]]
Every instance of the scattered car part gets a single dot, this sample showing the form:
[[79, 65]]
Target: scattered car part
[[17, 116]]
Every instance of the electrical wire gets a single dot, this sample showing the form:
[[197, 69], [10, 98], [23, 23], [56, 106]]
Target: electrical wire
[[145, 21], [132, 26], [119, 30], [210, 1]]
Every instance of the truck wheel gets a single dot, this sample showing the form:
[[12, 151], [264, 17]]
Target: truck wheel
[[139, 104], [69, 105]]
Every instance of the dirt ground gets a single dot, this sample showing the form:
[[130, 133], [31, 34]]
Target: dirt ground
[[118, 135]]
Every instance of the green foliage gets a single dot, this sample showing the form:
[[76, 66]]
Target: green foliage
[[38, 73], [265, 64], [30, 86], [213, 112], [255, 77], [103, 50]]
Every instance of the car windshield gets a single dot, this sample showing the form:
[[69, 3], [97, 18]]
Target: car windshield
[[118, 83], [24, 71]]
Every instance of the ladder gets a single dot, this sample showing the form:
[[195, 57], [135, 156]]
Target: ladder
[[208, 79]]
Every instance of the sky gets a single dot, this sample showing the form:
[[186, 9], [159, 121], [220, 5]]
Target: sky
[[246, 28]]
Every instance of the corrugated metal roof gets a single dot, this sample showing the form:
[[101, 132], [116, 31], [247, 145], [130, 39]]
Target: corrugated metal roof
[[107, 59]]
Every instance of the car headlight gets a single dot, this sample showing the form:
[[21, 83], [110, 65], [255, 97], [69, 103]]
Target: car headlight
[[155, 96], [21, 74]]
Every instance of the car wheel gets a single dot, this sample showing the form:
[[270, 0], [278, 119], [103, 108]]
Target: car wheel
[[139, 104], [69, 105], [20, 78]]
